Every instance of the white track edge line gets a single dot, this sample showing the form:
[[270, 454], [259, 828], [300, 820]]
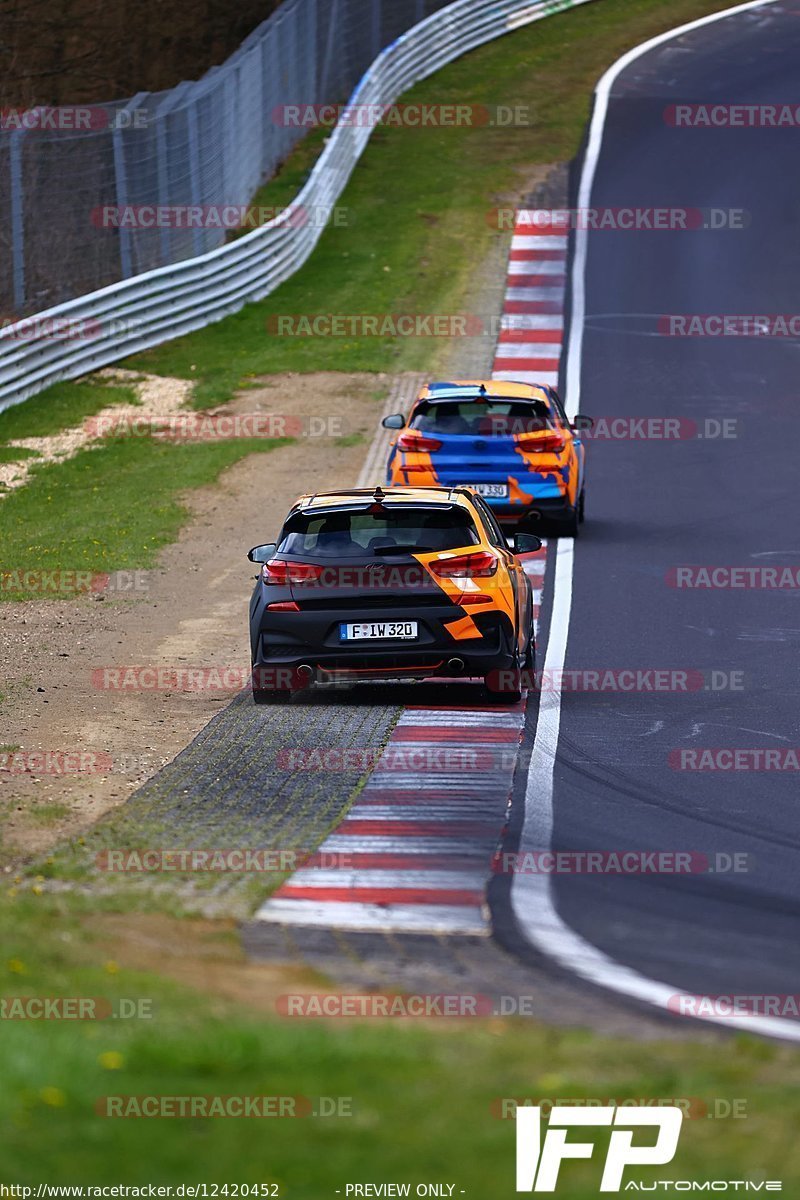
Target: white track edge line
[[531, 897]]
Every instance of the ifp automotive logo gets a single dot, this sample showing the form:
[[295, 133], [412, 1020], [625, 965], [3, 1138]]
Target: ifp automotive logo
[[539, 1160]]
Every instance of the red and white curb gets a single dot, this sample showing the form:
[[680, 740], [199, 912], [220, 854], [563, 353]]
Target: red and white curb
[[532, 327], [416, 847]]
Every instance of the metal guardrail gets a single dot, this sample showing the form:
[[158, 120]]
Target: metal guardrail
[[101, 327]]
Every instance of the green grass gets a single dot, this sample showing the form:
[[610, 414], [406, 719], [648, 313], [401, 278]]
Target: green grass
[[16, 454], [48, 814], [61, 406], [418, 200], [111, 508], [421, 1095]]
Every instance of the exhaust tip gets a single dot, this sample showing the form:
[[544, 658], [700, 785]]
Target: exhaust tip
[[456, 665], [305, 672]]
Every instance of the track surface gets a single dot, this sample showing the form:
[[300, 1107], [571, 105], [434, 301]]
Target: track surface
[[657, 504]]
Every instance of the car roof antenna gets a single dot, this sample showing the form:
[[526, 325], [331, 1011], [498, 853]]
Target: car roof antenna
[[378, 498]]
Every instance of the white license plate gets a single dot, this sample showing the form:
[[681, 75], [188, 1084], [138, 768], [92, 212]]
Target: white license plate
[[365, 631], [493, 491]]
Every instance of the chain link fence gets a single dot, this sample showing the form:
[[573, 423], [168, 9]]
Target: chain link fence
[[84, 191]]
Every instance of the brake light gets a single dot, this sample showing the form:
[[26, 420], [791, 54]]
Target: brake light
[[551, 443], [416, 442], [282, 572], [465, 566]]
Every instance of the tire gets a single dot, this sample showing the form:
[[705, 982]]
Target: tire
[[529, 661], [570, 527], [512, 694], [582, 506]]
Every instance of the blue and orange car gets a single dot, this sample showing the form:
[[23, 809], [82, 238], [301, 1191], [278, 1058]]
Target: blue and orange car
[[512, 442]]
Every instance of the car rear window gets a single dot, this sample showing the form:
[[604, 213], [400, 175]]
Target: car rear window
[[348, 534], [483, 418]]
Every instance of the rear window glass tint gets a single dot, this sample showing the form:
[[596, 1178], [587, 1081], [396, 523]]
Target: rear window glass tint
[[501, 419], [349, 534]]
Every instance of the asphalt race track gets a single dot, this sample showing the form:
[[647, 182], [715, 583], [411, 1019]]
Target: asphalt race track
[[656, 504]]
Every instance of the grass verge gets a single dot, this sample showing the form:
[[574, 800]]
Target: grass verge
[[423, 1097], [58, 522], [61, 406]]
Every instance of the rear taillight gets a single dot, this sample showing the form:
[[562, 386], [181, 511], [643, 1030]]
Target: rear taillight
[[416, 442], [281, 572], [283, 606], [550, 443], [465, 566]]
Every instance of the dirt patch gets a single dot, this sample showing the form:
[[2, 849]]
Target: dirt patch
[[157, 400], [192, 614]]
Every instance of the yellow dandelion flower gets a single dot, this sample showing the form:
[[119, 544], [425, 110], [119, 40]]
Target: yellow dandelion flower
[[111, 1060]]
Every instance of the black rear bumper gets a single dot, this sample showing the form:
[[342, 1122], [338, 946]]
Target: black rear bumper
[[284, 642]]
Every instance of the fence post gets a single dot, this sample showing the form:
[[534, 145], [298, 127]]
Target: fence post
[[194, 171], [165, 108], [17, 219], [312, 44], [376, 28], [324, 95], [121, 182]]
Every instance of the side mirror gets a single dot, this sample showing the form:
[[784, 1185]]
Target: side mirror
[[394, 421], [525, 543], [582, 422], [262, 554]]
